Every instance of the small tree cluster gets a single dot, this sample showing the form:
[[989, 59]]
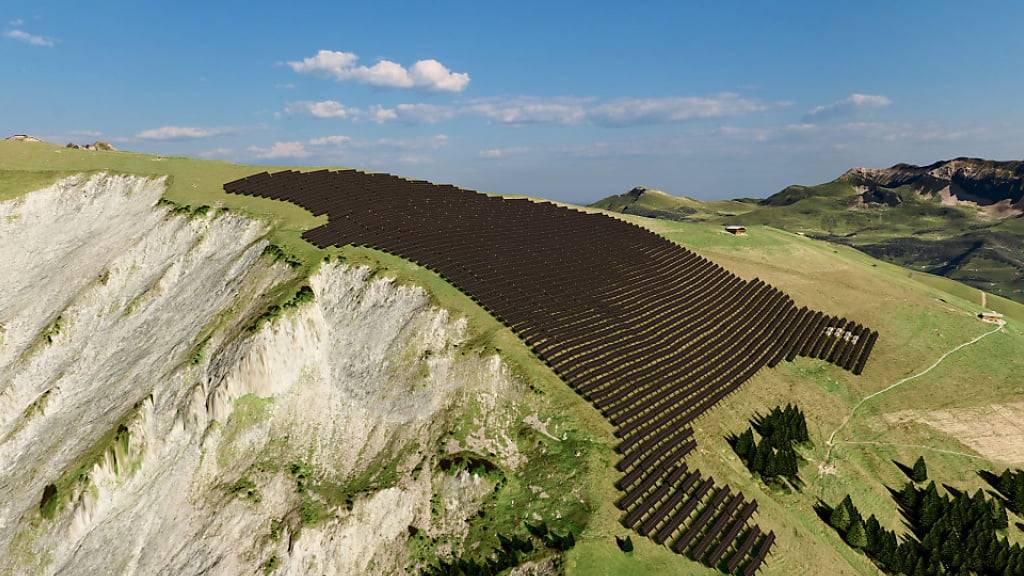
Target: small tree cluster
[[783, 426], [775, 455], [511, 552], [551, 538], [1010, 485], [303, 295], [277, 254], [952, 534], [245, 488]]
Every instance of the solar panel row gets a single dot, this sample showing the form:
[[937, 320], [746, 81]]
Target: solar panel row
[[652, 334]]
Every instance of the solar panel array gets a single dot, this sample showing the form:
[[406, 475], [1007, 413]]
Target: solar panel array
[[652, 334]]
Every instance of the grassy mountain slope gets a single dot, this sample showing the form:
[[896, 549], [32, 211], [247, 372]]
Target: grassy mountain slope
[[946, 224], [653, 203], [919, 316]]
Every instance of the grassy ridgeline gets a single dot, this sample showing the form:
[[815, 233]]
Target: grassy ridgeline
[[918, 316], [912, 230]]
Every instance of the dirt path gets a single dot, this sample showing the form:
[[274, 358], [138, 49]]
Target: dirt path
[[918, 446], [832, 438]]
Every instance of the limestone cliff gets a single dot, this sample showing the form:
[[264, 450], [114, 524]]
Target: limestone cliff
[[150, 425]]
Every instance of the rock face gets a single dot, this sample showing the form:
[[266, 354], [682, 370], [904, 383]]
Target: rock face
[[146, 428], [985, 183], [22, 138], [639, 191], [879, 195]]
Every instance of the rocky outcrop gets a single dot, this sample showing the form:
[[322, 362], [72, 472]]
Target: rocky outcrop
[[149, 426], [998, 187], [882, 196], [22, 138], [640, 191], [99, 145]]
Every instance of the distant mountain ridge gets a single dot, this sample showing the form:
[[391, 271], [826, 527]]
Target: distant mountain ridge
[[961, 218], [994, 186], [988, 181], [984, 183]]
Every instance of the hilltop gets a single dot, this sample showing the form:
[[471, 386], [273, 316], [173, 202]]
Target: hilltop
[[463, 429], [961, 218], [654, 203]]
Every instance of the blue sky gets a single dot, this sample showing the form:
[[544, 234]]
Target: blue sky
[[574, 101]]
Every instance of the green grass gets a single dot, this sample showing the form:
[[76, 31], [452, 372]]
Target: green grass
[[920, 232], [919, 316], [657, 204]]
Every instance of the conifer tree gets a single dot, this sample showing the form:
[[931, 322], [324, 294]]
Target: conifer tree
[[909, 496], [1016, 492], [931, 509], [840, 518], [906, 557], [802, 434], [874, 533], [919, 473], [773, 469], [761, 457], [745, 445], [999, 514], [788, 465], [856, 536]]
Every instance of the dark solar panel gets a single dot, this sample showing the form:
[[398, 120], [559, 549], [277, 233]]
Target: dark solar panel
[[649, 332]]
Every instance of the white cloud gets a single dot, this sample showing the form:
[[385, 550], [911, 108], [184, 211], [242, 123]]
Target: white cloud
[[528, 110], [22, 36], [380, 114], [16, 22], [383, 74], [802, 127], [742, 133], [322, 109], [521, 110], [87, 133], [280, 150], [404, 113], [428, 75], [338, 147], [412, 113], [622, 112], [849, 105], [435, 76], [180, 133], [435, 142], [330, 140], [495, 153], [633, 111]]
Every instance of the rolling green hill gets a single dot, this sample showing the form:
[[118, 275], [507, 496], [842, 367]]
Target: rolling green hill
[[961, 219], [652, 203], [920, 317]]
